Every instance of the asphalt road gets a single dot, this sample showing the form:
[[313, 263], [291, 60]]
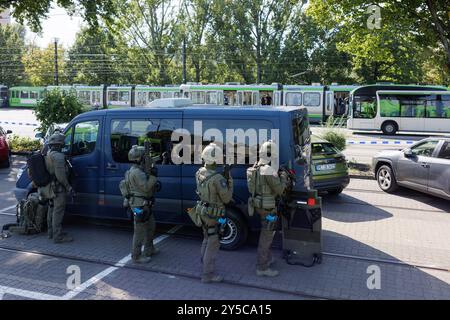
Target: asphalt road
[[404, 236]]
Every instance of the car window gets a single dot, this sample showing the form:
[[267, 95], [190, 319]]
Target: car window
[[425, 149], [323, 148], [445, 151], [84, 138]]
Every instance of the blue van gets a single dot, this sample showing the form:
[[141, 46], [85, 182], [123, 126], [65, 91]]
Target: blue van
[[97, 144]]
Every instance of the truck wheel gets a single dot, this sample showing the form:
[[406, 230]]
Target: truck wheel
[[389, 128], [386, 179], [236, 231]]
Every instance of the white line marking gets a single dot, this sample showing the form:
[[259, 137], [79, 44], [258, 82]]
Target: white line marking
[[6, 209], [73, 293], [27, 294]]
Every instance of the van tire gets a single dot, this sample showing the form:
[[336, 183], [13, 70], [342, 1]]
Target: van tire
[[389, 127], [236, 232]]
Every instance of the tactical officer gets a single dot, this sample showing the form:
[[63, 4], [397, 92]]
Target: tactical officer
[[57, 190], [269, 185], [142, 187], [214, 191]]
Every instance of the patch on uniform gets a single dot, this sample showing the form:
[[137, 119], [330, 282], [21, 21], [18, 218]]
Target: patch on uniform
[[224, 184]]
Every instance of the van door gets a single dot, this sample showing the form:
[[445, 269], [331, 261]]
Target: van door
[[122, 132], [83, 146]]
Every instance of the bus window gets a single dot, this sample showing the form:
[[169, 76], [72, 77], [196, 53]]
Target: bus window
[[412, 107], [311, 99], [293, 99], [439, 107], [364, 107], [389, 106]]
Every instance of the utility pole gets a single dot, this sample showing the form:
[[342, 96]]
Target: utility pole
[[56, 62], [184, 59]]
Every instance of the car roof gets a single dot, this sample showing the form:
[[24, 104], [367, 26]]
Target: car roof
[[317, 139]]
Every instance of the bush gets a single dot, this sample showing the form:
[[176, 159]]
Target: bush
[[57, 107], [333, 132], [23, 144]]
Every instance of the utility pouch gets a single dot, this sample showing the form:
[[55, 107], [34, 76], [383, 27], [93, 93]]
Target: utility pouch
[[251, 207], [194, 213]]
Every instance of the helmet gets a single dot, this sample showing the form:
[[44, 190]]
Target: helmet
[[136, 153], [212, 153], [268, 150], [56, 138]]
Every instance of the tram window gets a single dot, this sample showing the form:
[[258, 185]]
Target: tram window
[[166, 94], [266, 98], [140, 100], [124, 96], [247, 98], [230, 98], [84, 97], [311, 99], [198, 97], [24, 94], [153, 96], [34, 95], [211, 97], [177, 94], [113, 96], [293, 99], [126, 133], [96, 97]]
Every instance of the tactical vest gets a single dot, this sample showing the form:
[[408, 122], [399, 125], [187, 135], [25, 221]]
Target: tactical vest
[[137, 197], [262, 197], [210, 202]]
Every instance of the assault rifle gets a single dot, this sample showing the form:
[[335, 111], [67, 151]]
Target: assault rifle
[[226, 172], [149, 164]]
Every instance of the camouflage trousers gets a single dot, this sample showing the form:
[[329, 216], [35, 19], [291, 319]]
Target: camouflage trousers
[[143, 236], [55, 215], [210, 246], [264, 254]]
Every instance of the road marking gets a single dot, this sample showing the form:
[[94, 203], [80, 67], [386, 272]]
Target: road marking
[[381, 142], [20, 123], [3, 211], [27, 294], [96, 278]]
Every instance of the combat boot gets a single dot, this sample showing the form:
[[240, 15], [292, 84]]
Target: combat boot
[[142, 259], [267, 273], [63, 239], [153, 252], [213, 278]]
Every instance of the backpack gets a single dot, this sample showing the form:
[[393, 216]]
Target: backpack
[[125, 190], [252, 176], [38, 170], [31, 215]]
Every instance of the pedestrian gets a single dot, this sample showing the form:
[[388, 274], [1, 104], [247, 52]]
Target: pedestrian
[[142, 186], [215, 191], [56, 191], [268, 185]]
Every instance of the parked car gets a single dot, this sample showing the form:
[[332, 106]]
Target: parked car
[[98, 142], [5, 151], [329, 167], [425, 167]]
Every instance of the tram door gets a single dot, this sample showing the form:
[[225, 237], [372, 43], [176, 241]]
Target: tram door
[[329, 104]]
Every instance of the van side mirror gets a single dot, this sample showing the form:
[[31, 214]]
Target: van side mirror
[[8, 131], [39, 135], [408, 153]]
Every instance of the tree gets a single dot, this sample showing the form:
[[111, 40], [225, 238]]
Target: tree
[[394, 49], [12, 47], [57, 107], [40, 65], [33, 11]]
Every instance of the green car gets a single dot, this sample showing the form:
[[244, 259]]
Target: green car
[[329, 167]]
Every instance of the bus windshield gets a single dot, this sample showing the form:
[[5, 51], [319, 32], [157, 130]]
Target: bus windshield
[[364, 107]]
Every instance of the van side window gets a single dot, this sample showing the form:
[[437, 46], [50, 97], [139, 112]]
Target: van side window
[[84, 138], [128, 132]]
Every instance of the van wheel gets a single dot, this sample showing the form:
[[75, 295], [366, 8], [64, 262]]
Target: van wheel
[[389, 128], [386, 179], [236, 231]]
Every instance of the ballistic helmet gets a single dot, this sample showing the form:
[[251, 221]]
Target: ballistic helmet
[[211, 153], [56, 139], [268, 149], [136, 153]]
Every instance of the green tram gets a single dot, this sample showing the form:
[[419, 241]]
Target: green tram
[[143, 94], [27, 97], [233, 94]]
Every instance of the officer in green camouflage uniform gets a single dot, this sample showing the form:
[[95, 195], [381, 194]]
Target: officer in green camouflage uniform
[[214, 192], [142, 187], [56, 192], [270, 184]]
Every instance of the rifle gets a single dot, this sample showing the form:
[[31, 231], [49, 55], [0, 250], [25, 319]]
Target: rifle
[[226, 172], [149, 164]]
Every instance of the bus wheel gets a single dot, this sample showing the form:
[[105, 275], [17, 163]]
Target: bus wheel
[[389, 127]]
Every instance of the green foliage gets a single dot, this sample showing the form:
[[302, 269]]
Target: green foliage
[[12, 46], [23, 144], [57, 107], [333, 132]]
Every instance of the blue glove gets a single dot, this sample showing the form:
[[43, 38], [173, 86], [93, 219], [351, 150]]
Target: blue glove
[[222, 220], [137, 211], [271, 217]]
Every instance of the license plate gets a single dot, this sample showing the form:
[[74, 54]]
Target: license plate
[[324, 167]]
